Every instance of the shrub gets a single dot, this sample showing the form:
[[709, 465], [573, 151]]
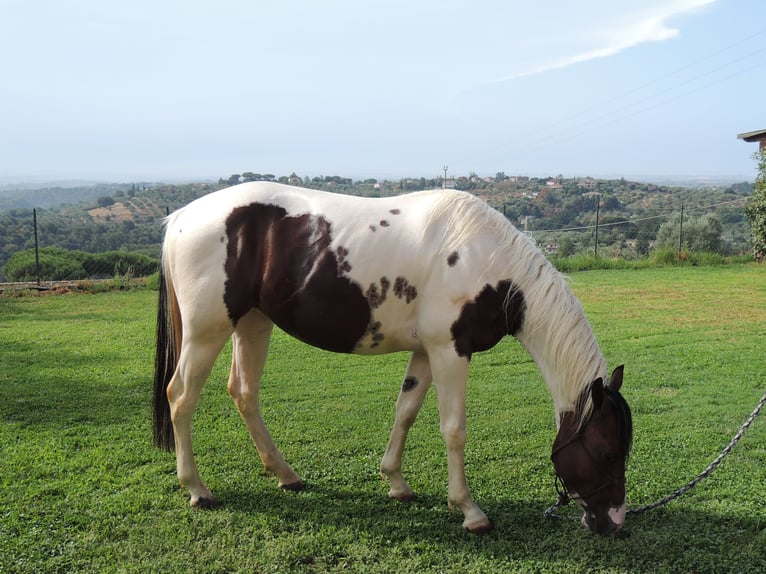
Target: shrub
[[119, 263], [55, 265], [58, 264]]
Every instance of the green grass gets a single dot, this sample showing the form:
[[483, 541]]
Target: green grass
[[82, 489]]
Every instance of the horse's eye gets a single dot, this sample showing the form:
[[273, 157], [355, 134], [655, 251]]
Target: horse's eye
[[611, 457]]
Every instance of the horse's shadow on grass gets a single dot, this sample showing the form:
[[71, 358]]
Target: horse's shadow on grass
[[669, 539]]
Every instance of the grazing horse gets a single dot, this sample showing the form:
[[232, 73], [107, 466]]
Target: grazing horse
[[437, 273]]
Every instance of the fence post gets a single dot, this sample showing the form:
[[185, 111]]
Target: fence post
[[681, 232], [598, 206], [37, 250]]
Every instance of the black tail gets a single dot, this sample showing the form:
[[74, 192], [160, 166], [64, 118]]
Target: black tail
[[164, 367]]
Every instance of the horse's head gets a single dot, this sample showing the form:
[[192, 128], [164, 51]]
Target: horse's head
[[590, 453]]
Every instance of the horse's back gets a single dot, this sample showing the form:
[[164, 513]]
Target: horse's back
[[329, 269]]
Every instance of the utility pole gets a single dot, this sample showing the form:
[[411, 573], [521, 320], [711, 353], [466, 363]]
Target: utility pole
[[444, 182]]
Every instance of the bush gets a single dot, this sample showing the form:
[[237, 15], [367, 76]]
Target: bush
[[153, 281], [119, 263], [58, 264], [55, 265], [671, 256], [662, 257], [665, 256]]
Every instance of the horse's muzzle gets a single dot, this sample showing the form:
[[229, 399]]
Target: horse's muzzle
[[600, 524]]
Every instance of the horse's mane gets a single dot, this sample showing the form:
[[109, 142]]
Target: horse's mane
[[555, 330]]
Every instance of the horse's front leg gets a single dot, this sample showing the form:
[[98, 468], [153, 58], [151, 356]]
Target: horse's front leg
[[416, 383], [450, 379]]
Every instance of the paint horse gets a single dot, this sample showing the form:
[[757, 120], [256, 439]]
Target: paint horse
[[437, 273]]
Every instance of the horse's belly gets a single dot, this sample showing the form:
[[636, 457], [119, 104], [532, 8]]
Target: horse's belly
[[343, 323], [336, 321]]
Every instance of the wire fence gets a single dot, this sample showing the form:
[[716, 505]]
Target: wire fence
[[43, 245], [720, 228]]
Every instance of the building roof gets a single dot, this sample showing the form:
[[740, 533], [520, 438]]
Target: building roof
[[756, 136]]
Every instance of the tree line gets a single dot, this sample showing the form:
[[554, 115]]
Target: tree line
[[630, 212]]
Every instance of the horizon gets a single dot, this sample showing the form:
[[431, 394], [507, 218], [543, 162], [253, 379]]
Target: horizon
[[670, 180]]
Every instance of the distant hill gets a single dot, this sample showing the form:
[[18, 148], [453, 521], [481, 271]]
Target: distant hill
[[107, 217]]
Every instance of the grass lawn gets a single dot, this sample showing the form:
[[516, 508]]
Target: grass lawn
[[82, 489]]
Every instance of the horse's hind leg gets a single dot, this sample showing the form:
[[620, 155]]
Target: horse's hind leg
[[416, 384], [194, 365], [250, 346]]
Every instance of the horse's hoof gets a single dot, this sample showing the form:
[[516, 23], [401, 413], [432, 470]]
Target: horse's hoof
[[293, 486], [406, 497], [204, 503], [480, 528]]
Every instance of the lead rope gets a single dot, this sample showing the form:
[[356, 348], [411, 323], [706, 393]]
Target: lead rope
[[563, 498]]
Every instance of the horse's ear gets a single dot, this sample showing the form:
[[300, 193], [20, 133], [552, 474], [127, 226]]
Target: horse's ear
[[615, 382], [597, 392]]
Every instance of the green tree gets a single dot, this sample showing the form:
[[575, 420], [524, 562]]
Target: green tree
[[755, 210], [701, 234]]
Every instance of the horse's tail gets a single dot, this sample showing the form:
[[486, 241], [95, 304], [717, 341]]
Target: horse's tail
[[168, 345]]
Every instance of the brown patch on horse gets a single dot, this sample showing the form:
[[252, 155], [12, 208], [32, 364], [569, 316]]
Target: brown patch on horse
[[376, 336], [343, 265], [404, 290], [283, 265], [384, 223], [385, 285], [376, 297], [452, 259], [394, 211], [409, 384], [495, 312]]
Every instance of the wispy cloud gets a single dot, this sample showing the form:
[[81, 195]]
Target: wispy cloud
[[645, 28]]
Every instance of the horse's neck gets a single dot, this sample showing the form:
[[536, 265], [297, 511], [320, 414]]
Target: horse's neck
[[558, 337]]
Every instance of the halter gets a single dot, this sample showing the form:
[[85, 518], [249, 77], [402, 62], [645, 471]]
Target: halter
[[560, 485]]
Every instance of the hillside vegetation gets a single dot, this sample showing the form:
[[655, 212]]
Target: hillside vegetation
[[559, 212]]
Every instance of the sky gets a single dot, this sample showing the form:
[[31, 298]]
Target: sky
[[152, 90]]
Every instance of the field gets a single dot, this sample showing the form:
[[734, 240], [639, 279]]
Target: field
[[82, 488]]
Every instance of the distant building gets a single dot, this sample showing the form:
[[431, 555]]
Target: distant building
[[553, 184], [756, 136]]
